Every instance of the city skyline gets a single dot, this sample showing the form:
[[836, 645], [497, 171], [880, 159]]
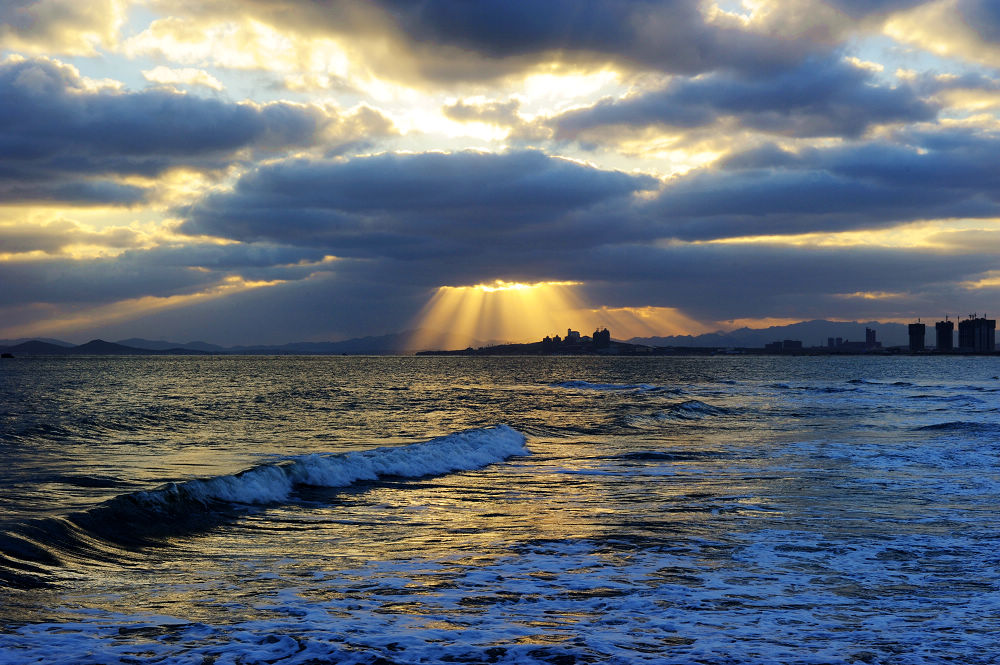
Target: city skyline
[[263, 172], [974, 334]]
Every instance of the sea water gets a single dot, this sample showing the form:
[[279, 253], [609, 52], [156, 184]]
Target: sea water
[[309, 510]]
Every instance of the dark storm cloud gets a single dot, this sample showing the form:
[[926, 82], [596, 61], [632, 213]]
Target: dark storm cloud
[[744, 282], [162, 271], [64, 141], [224, 257], [95, 282], [944, 174], [324, 307], [982, 16], [455, 40], [861, 8], [664, 35], [774, 281], [486, 215], [818, 97], [411, 205]]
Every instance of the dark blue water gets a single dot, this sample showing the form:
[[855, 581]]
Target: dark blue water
[[553, 510]]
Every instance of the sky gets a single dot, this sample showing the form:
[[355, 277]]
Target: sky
[[270, 171]]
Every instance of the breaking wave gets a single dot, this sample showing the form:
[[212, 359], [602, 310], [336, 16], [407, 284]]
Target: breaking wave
[[109, 530], [273, 483]]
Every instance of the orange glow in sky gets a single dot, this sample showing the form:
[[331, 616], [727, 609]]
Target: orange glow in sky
[[498, 312]]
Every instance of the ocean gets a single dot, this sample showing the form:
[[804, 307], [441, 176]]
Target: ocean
[[394, 510]]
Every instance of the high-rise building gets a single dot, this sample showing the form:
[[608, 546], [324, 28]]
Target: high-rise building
[[977, 335], [944, 335], [870, 341], [918, 333]]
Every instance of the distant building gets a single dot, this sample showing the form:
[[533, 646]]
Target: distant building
[[944, 335], [572, 336], [602, 338], [977, 335], [870, 341], [785, 345], [830, 343], [918, 333]]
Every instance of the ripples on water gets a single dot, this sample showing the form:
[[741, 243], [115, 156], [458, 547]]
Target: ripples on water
[[370, 510]]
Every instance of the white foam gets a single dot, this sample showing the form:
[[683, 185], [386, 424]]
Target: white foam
[[471, 449]]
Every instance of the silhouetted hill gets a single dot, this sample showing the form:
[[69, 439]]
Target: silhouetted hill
[[35, 348], [22, 340], [811, 333], [372, 345], [162, 345], [98, 347], [375, 345]]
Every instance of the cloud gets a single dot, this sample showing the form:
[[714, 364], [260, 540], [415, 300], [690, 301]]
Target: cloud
[[969, 240], [982, 16], [523, 207], [824, 22], [968, 29], [54, 237], [428, 204], [67, 281], [862, 8], [762, 281], [65, 138], [815, 98], [708, 282], [183, 76], [937, 174], [137, 273], [60, 26], [471, 217], [970, 92], [452, 42], [492, 112], [326, 306]]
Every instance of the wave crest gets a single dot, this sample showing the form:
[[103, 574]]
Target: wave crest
[[622, 387], [471, 449], [107, 531], [687, 410]]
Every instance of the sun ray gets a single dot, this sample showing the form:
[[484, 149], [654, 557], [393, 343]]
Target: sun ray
[[507, 311]]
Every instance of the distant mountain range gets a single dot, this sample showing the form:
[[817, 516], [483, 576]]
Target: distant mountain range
[[393, 343], [22, 340], [811, 333], [96, 347]]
